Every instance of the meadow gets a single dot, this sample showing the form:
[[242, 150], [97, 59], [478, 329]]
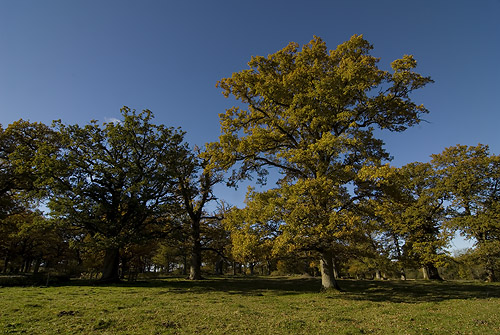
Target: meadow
[[249, 305]]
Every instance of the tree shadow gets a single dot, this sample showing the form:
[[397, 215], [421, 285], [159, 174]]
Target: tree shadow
[[410, 291], [231, 285]]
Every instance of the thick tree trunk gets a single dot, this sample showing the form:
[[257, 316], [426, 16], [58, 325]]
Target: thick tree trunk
[[195, 266], [430, 272], [378, 274], [328, 281], [110, 269]]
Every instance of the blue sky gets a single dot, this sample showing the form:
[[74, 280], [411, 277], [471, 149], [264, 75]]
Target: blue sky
[[83, 60]]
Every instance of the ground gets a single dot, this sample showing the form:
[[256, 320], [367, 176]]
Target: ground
[[284, 305]]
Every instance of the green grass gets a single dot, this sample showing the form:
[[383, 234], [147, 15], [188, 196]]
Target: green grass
[[252, 306]]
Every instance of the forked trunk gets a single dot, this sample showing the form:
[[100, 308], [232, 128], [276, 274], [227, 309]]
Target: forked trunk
[[110, 273], [328, 281]]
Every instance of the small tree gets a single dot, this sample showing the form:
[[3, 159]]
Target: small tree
[[195, 180], [254, 229]]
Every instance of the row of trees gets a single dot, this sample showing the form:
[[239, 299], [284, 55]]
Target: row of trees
[[105, 187], [122, 188]]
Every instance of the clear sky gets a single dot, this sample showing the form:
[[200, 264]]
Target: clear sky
[[82, 60]]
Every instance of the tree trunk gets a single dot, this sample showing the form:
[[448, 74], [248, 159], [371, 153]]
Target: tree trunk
[[219, 266], [195, 266], [336, 273], [490, 272], [234, 268], [490, 275], [402, 274], [6, 262], [328, 281], [425, 273], [110, 269], [430, 272], [38, 261], [125, 268], [378, 274], [184, 269], [489, 268], [251, 266]]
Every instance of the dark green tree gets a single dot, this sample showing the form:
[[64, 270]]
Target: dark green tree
[[195, 180], [113, 181]]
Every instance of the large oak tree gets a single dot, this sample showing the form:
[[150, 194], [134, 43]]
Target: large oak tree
[[311, 114]]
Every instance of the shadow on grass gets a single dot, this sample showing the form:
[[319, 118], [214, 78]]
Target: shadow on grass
[[377, 291], [418, 291], [230, 285]]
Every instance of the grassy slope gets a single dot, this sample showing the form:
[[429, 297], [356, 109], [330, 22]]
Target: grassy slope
[[252, 306]]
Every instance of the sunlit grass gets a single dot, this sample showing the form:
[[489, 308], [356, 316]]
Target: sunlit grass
[[252, 306]]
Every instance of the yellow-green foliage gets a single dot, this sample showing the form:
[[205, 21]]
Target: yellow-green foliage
[[472, 177], [310, 112]]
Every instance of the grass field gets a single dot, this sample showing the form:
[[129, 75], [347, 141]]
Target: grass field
[[252, 306]]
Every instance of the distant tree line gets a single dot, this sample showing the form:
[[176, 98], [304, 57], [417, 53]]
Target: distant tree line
[[113, 200]]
